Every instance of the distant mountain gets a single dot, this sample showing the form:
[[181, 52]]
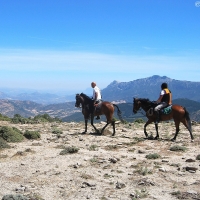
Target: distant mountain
[[150, 88], [28, 104], [30, 109], [41, 98], [115, 91], [68, 112]]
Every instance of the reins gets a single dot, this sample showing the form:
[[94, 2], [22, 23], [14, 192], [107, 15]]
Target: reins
[[145, 107]]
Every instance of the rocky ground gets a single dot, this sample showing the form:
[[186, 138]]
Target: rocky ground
[[124, 167]]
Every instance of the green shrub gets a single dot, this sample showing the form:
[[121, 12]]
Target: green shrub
[[32, 134], [14, 197], [57, 131], [178, 148], [39, 118], [69, 150], [144, 171], [198, 157], [93, 147], [153, 156], [18, 119], [11, 134], [46, 118], [3, 144], [4, 118]]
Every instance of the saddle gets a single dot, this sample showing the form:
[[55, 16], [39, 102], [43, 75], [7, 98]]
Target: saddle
[[164, 111], [98, 106]]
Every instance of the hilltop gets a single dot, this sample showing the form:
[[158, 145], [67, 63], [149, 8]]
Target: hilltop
[[65, 164]]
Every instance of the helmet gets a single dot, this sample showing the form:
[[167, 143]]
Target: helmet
[[164, 85]]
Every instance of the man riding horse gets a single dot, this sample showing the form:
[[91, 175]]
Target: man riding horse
[[96, 96]]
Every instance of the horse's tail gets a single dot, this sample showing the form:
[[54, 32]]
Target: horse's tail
[[187, 116], [119, 113]]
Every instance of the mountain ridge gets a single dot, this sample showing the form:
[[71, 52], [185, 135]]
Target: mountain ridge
[[115, 92], [150, 88]]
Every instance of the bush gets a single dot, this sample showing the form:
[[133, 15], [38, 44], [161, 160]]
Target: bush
[[68, 150], [178, 148], [198, 157], [10, 134], [3, 144], [39, 118], [32, 134], [153, 156], [4, 118], [46, 118], [57, 131], [14, 197], [19, 119]]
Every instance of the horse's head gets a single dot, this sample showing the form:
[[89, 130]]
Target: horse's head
[[143, 103], [136, 105], [79, 101]]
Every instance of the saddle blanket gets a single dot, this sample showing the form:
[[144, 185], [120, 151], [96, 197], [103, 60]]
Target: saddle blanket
[[166, 110]]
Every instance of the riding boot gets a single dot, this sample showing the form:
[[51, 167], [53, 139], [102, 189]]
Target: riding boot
[[157, 116]]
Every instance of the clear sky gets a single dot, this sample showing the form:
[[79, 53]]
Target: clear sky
[[67, 44]]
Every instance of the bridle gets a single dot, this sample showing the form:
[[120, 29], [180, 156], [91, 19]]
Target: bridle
[[79, 101], [145, 108]]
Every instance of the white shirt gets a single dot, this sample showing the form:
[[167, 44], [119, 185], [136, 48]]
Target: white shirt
[[96, 90]]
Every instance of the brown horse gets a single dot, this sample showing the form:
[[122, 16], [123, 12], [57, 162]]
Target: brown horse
[[178, 113], [105, 108]]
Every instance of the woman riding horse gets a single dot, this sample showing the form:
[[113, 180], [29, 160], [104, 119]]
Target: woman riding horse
[[178, 113]]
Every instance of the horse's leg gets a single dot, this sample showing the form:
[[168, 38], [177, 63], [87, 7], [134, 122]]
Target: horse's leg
[[92, 119], [185, 122], [86, 121], [147, 123], [177, 123], [113, 124], [104, 127], [157, 135]]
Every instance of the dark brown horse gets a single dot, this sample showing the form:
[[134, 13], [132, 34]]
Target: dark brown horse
[[178, 114], [105, 108]]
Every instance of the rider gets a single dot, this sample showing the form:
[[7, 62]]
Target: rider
[[164, 100], [96, 95]]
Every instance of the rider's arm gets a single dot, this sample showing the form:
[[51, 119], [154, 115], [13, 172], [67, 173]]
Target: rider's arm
[[159, 99], [170, 98]]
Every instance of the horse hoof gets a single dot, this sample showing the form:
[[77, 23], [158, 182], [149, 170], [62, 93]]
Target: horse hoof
[[192, 140], [151, 138], [156, 138], [84, 132], [173, 139]]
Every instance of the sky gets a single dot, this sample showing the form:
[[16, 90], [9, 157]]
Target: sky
[[64, 45]]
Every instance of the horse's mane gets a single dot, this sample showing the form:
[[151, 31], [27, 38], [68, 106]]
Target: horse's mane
[[145, 100], [85, 97]]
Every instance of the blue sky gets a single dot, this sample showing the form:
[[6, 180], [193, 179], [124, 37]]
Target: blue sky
[[67, 44]]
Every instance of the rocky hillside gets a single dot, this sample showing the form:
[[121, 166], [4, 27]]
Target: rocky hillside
[[66, 164], [68, 112], [30, 109]]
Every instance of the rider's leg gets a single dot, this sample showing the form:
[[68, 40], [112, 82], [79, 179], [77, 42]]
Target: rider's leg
[[157, 112]]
